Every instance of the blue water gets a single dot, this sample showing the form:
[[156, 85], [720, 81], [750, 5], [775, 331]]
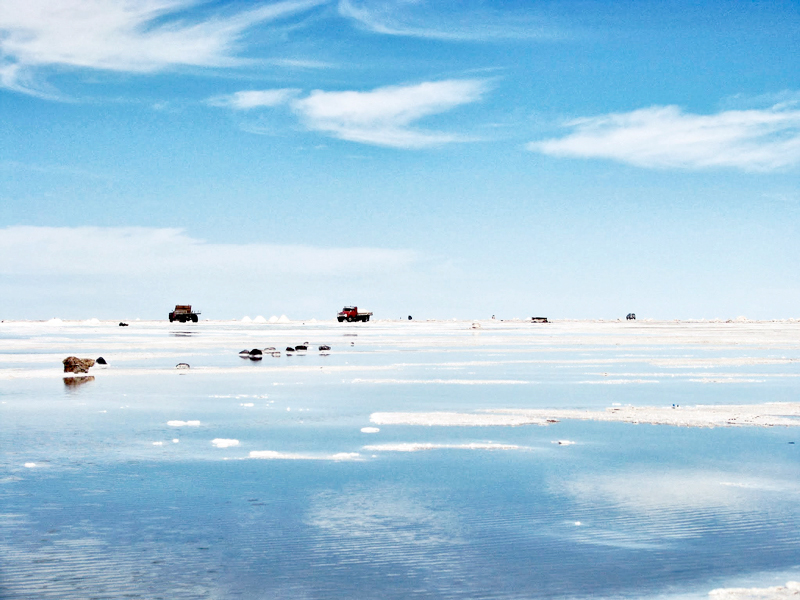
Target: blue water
[[628, 511]]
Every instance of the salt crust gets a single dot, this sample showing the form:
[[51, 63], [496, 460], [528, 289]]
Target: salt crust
[[370, 430], [790, 590], [447, 381], [761, 415], [183, 423], [224, 443], [274, 455], [418, 446]]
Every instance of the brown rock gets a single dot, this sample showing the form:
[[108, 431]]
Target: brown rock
[[73, 364]]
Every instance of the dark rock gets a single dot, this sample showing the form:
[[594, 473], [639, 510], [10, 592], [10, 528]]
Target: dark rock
[[256, 357], [73, 364], [121, 324], [276, 354], [324, 348], [255, 352], [245, 353], [301, 347], [101, 361], [289, 349], [182, 366], [270, 349], [409, 317]]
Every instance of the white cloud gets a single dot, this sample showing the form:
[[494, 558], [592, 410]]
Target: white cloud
[[666, 137], [121, 35], [246, 100], [140, 251], [455, 21], [382, 117]]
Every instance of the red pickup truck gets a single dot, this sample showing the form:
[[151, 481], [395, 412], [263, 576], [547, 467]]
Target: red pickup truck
[[351, 313], [183, 313]]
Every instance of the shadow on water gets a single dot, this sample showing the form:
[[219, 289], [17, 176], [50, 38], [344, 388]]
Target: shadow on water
[[72, 383]]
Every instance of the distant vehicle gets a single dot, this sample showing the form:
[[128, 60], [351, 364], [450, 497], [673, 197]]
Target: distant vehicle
[[183, 313], [351, 313], [631, 317], [539, 320]]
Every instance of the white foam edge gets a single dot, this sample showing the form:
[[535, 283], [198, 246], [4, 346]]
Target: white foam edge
[[275, 455], [183, 423], [224, 443], [422, 446]]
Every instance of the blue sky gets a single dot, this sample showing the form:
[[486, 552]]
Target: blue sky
[[440, 159]]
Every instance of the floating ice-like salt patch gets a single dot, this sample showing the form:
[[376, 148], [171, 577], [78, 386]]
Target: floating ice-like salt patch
[[158, 443], [370, 430], [183, 423], [779, 592], [30, 465], [175, 440], [275, 455], [223, 443], [563, 442], [577, 523], [418, 446], [54, 321], [259, 319], [246, 319], [451, 419], [273, 319], [284, 319], [246, 404], [92, 322], [446, 381], [620, 381]]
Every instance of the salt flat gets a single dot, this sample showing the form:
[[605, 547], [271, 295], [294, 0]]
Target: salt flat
[[516, 460]]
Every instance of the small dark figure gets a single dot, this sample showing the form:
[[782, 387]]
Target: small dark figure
[[324, 348], [301, 347], [255, 352], [101, 361], [631, 317], [121, 324], [409, 317], [289, 349]]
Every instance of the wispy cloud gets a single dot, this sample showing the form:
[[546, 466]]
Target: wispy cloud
[[453, 21], [138, 251], [666, 137], [248, 99], [383, 116], [121, 35]]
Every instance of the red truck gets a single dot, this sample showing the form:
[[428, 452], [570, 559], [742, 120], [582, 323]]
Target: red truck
[[351, 313], [183, 313]]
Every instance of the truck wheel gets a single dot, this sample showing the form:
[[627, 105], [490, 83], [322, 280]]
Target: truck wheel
[[349, 319], [171, 318], [366, 318], [194, 318], [340, 319]]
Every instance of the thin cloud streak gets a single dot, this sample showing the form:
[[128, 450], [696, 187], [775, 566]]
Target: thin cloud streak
[[458, 22], [142, 251], [381, 117], [118, 35], [666, 137]]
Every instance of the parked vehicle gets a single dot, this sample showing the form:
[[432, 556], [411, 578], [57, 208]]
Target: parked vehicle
[[351, 313], [539, 320], [631, 317], [183, 313]]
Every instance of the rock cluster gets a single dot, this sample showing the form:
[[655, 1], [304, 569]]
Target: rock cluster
[[73, 364]]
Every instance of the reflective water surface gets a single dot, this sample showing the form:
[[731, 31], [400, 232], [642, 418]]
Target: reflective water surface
[[137, 480]]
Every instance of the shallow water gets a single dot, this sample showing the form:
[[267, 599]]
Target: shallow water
[[116, 502]]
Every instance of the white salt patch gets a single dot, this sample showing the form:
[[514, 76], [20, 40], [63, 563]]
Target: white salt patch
[[563, 442], [284, 319], [259, 319], [370, 430], [92, 322], [288, 409], [274, 455], [577, 523], [158, 443], [223, 443], [55, 321], [30, 465], [175, 440], [246, 319], [183, 423], [448, 381], [246, 404], [418, 446], [790, 590], [450, 419], [273, 319]]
